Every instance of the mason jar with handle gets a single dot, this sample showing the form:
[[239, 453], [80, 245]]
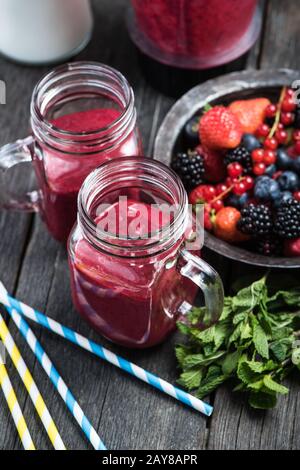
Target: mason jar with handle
[[82, 114], [134, 254]]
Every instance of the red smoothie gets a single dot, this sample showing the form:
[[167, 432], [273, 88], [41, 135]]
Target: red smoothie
[[209, 29], [133, 301], [61, 174]]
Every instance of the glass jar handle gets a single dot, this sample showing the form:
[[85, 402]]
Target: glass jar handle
[[10, 156], [209, 281]]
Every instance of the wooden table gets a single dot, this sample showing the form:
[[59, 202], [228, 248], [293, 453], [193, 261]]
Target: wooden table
[[127, 413]]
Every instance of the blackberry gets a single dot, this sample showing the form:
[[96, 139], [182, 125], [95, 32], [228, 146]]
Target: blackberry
[[190, 168], [269, 246], [297, 117], [256, 220], [287, 222], [242, 156]]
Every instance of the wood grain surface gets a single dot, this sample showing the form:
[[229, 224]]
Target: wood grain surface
[[127, 413]]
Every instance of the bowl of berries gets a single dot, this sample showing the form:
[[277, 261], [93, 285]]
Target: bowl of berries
[[235, 143]]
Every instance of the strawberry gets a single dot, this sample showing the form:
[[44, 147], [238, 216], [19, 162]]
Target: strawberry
[[250, 113], [225, 225], [202, 193], [214, 166], [292, 247], [219, 128]]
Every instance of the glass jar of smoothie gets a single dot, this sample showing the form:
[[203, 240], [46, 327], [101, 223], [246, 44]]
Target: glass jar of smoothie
[[82, 114], [134, 259], [194, 34]]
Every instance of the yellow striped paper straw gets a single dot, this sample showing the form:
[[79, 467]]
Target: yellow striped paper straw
[[15, 409], [31, 387]]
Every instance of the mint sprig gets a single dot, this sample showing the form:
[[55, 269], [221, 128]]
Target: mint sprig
[[254, 344]]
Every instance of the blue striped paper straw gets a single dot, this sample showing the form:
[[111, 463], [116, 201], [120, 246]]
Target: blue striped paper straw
[[104, 353], [56, 379]]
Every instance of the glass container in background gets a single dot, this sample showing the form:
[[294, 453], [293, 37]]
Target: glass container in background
[[194, 34], [44, 31]]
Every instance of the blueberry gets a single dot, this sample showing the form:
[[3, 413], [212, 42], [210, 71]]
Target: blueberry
[[271, 169], [284, 161], [296, 165], [288, 181], [250, 142], [284, 196], [266, 188], [244, 198], [191, 132], [237, 201], [234, 201]]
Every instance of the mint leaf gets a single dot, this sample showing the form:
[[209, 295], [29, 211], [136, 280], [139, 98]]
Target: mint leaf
[[249, 297], [230, 363], [253, 328], [191, 379], [246, 374], [260, 341], [200, 360], [280, 349], [220, 333], [213, 379], [270, 384], [262, 401]]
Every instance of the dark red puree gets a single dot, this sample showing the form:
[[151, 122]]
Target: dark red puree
[[61, 174], [194, 27], [132, 301]]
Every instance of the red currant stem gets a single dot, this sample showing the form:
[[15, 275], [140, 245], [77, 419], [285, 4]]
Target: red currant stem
[[228, 190], [278, 112]]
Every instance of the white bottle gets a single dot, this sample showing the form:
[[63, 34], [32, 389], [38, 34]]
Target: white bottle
[[44, 31]]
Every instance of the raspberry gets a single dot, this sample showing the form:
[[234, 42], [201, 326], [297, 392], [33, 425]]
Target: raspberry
[[256, 220], [190, 168]]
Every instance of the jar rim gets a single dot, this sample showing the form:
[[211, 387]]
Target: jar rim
[[99, 238], [46, 127]]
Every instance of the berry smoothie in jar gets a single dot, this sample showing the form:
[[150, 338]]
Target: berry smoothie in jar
[[194, 33], [82, 114], [132, 271]]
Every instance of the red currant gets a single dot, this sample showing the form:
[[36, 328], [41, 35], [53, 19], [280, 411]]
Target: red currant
[[234, 169], [271, 110], [221, 188], [218, 205], [263, 130], [297, 148], [296, 135], [280, 126], [287, 118], [281, 136], [271, 143], [269, 157], [239, 188], [259, 169], [249, 182], [258, 155], [209, 193], [289, 93], [288, 105], [297, 195]]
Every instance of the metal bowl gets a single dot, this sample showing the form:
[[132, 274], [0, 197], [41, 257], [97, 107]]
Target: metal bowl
[[224, 89]]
